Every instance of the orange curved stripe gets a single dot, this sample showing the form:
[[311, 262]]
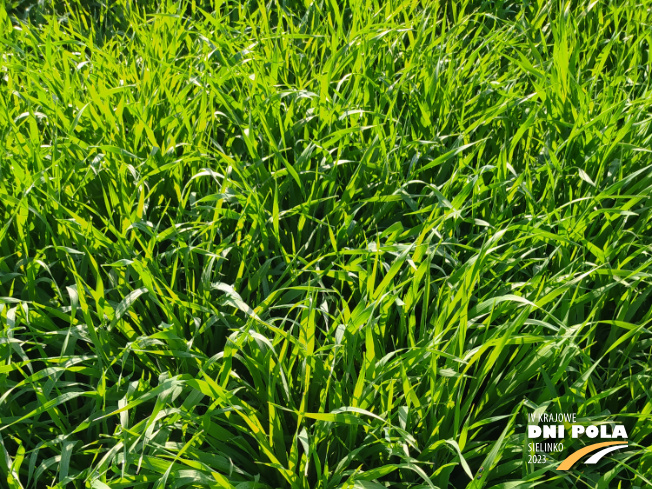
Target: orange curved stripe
[[574, 457]]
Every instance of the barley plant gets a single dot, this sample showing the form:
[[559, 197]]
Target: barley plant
[[322, 243]]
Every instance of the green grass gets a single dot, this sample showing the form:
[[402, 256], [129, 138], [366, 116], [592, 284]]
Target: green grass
[[322, 244]]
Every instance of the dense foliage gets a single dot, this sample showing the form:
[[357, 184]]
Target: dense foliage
[[322, 243]]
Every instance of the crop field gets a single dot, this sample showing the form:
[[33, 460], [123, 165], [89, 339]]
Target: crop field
[[332, 244]]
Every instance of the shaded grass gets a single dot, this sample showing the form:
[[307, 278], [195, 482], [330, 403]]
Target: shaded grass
[[321, 244]]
